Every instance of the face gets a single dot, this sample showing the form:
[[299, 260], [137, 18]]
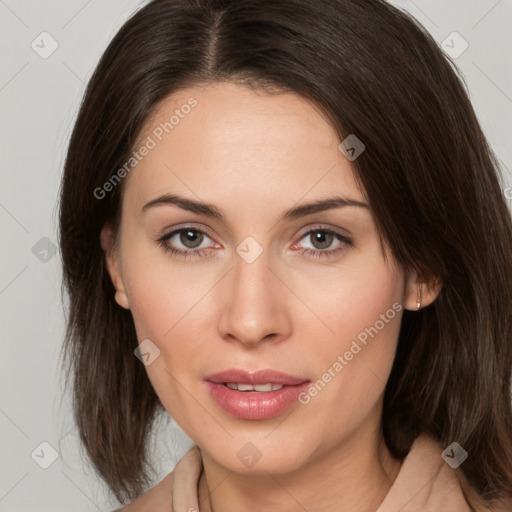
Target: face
[[245, 284]]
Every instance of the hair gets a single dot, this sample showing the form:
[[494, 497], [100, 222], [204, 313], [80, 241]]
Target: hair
[[430, 176]]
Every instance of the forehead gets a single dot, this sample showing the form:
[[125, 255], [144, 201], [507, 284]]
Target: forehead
[[229, 141]]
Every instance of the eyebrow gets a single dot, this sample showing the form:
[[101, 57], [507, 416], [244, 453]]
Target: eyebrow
[[212, 211]]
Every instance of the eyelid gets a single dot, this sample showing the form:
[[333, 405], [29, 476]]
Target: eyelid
[[319, 227]]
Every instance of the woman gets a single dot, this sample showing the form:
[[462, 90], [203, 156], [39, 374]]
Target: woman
[[282, 225]]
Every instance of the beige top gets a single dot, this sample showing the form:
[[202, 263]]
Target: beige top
[[425, 483]]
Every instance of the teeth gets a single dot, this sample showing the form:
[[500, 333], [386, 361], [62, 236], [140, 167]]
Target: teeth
[[250, 387]]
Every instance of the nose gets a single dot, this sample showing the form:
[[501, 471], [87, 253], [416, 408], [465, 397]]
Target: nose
[[254, 303]]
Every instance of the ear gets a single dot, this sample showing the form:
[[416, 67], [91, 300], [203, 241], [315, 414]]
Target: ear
[[112, 261], [420, 291]]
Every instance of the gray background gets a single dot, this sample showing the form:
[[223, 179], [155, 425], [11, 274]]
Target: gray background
[[39, 99]]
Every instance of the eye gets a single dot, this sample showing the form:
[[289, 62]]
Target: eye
[[189, 241], [322, 239], [185, 242]]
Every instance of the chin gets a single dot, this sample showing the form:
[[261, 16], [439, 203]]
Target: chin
[[258, 457]]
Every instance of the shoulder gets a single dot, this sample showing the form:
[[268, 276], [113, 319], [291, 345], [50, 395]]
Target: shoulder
[[157, 499]]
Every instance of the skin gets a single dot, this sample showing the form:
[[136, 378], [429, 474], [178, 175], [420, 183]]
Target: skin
[[254, 156]]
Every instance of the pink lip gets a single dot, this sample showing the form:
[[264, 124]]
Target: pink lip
[[255, 405]]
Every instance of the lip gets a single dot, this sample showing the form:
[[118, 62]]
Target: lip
[[255, 405], [257, 377]]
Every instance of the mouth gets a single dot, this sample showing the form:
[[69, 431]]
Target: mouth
[[255, 395]]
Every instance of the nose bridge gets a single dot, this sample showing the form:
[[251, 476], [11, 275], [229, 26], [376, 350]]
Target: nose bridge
[[251, 273], [253, 307]]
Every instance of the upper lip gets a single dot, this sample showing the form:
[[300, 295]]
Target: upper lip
[[241, 376]]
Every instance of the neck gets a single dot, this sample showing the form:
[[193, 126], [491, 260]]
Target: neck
[[353, 476]]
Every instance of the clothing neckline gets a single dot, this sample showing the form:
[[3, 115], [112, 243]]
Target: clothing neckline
[[424, 482]]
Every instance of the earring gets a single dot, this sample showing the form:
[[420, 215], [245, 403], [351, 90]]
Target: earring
[[418, 301]]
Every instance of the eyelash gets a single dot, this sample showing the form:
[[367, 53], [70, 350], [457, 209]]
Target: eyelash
[[315, 253]]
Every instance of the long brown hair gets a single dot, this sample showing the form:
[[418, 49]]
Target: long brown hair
[[431, 178]]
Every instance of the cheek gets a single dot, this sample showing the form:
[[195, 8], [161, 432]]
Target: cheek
[[167, 302], [159, 290], [162, 303], [362, 309], [355, 297]]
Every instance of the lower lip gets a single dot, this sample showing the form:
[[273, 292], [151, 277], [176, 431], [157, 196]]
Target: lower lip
[[255, 405]]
